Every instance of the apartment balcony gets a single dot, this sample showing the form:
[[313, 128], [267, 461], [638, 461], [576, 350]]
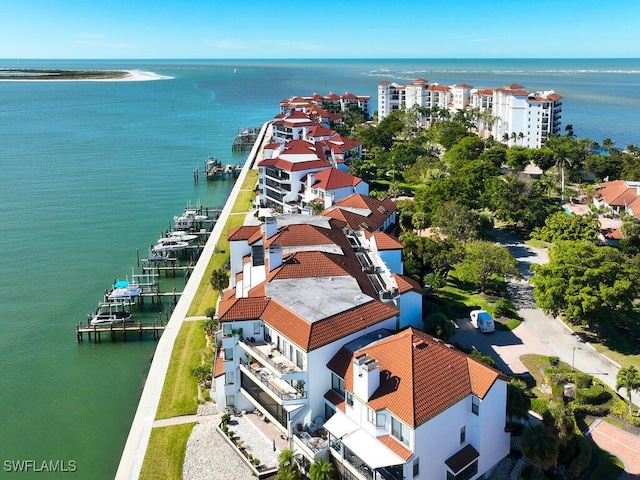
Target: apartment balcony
[[267, 354], [268, 381], [277, 174]]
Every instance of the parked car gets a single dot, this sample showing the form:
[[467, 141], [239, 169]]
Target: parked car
[[483, 321]]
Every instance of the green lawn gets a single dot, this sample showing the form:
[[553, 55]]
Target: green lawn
[[609, 466], [165, 453], [180, 390], [457, 299], [618, 337]]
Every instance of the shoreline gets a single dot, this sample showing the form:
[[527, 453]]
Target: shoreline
[[135, 75], [137, 442]]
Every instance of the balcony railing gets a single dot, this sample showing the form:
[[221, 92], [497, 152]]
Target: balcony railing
[[276, 385], [268, 353]]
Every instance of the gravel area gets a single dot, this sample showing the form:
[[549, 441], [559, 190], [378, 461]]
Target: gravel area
[[208, 457], [503, 469]]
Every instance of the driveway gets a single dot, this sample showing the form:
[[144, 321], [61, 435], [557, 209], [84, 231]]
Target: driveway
[[539, 333]]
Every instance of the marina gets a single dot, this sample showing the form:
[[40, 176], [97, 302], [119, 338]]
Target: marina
[[174, 253], [214, 169]]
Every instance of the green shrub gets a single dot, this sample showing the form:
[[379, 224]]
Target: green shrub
[[596, 394], [557, 391], [582, 380], [554, 361], [583, 460], [504, 308], [588, 409], [568, 451], [539, 405]]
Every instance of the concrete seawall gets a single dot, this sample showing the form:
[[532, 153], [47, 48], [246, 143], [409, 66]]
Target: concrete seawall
[[136, 446]]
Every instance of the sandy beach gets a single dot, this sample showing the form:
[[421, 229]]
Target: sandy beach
[[131, 76]]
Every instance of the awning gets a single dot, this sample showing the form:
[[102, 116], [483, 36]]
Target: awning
[[461, 459], [340, 425], [373, 452], [293, 408]]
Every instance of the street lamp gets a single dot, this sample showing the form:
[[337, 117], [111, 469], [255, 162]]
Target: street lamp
[[573, 358]]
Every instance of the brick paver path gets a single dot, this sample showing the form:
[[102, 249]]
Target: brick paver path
[[622, 444]]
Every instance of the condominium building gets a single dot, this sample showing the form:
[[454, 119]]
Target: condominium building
[[329, 104], [321, 336], [518, 116]]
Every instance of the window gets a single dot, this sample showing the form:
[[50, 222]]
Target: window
[[349, 399], [475, 405], [463, 434], [226, 329], [465, 474], [228, 353], [377, 418], [231, 401], [337, 384], [228, 377], [256, 328], [399, 430], [416, 467]]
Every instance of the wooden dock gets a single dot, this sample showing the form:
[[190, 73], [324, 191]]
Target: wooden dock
[[132, 328]]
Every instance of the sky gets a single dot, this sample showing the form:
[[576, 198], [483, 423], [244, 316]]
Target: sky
[[213, 29]]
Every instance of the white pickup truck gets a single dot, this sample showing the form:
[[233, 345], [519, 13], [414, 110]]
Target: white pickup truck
[[483, 321]]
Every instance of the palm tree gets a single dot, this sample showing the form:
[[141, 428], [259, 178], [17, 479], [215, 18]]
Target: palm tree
[[288, 460], [608, 144], [521, 136], [413, 244], [629, 379], [539, 450], [321, 469], [219, 279], [505, 137], [559, 422]]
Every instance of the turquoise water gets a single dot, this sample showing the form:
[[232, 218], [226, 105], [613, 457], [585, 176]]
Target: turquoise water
[[92, 171]]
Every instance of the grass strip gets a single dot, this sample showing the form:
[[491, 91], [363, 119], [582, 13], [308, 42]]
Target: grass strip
[[180, 390], [166, 451]]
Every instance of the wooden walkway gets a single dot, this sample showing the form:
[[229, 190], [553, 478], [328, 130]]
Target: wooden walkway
[[140, 328]]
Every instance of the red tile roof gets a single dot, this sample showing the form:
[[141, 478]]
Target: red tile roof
[[380, 211], [241, 308], [335, 399], [386, 241], [407, 284], [396, 447], [420, 377], [244, 232], [333, 178]]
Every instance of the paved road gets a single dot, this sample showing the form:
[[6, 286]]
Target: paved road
[[539, 333]]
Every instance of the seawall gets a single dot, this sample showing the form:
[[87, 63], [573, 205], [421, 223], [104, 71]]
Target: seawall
[[138, 439]]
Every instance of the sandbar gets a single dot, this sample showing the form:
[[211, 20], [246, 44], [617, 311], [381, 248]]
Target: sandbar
[[54, 75]]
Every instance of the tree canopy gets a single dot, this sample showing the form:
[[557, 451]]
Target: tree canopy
[[561, 226], [584, 282], [484, 261]]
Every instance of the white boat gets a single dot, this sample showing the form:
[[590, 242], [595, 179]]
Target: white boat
[[109, 313], [168, 246], [177, 235], [123, 289]]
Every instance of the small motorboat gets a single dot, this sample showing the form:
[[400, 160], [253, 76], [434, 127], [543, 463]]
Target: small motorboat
[[168, 245], [123, 289], [109, 313], [177, 235]]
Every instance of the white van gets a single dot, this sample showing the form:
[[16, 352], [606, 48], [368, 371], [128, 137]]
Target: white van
[[483, 321]]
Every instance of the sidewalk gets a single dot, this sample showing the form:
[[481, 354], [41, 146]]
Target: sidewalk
[[622, 444]]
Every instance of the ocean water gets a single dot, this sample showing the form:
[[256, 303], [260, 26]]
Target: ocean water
[[92, 171]]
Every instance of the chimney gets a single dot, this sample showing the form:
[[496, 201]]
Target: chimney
[[328, 199], [270, 227], [366, 376], [311, 178], [274, 253]]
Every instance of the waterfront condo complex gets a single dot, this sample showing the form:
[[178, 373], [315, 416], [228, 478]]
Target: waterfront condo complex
[[320, 330], [511, 114], [320, 334]]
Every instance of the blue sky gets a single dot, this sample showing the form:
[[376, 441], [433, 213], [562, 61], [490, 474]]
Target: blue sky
[[321, 29]]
